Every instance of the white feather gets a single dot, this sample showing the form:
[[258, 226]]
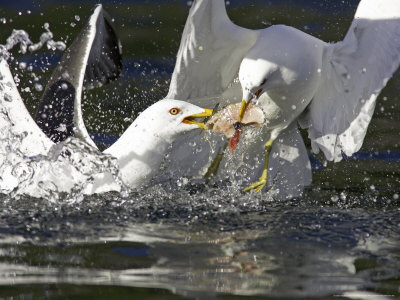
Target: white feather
[[354, 72], [211, 50], [16, 119], [81, 130]]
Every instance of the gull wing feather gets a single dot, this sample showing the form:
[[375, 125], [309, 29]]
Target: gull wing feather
[[289, 165], [15, 118], [94, 58], [355, 71], [210, 53]]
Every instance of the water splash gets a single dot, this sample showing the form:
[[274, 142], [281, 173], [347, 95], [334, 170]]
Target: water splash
[[63, 175], [47, 39], [21, 37], [58, 172]]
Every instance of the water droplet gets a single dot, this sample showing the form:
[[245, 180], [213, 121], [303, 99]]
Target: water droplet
[[64, 86], [38, 87], [62, 128], [294, 107], [65, 75], [396, 196], [22, 65], [7, 98]]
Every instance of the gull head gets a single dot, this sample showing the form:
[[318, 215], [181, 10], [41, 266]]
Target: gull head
[[256, 76], [168, 118]]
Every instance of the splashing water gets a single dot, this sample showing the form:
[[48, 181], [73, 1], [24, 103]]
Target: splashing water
[[62, 174], [56, 172], [21, 37]]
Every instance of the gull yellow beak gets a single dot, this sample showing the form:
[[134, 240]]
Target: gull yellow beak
[[188, 120], [242, 110], [247, 99]]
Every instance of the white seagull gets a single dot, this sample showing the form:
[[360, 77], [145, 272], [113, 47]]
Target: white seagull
[[329, 88], [139, 151]]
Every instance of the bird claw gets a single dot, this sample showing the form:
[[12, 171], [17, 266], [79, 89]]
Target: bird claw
[[257, 186]]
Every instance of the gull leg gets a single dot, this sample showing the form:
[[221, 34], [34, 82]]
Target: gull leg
[[262, 181], [213, 169]]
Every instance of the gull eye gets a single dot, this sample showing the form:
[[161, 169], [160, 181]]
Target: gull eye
[[174, 111], [263, 82]]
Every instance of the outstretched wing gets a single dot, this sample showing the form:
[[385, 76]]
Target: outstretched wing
[[210, 53], [15, 120], [355, 70], [94, 58]]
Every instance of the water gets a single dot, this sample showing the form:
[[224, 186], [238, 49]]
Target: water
[[194, 243], [184, 239]]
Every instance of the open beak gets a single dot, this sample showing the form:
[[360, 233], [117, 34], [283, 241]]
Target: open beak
[[189, 120]]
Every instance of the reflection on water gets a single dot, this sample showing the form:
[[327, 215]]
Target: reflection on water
[[179, 239], [192, 242]]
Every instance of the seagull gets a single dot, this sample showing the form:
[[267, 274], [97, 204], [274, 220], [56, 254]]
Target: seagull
[[328, 88], [141, 148]]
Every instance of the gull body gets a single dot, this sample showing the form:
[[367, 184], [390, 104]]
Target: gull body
[[330, 89], [273, 65], [142, 147], [139, 151]]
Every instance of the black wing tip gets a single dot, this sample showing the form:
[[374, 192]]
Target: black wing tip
[[105, 58], [56, 111]]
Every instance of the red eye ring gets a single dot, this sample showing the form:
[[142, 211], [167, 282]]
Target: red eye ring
[[174, 111]]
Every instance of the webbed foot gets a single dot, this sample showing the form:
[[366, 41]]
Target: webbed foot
[[262, 181], [260, 184]]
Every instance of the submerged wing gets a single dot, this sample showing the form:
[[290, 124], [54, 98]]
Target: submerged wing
[[210, 53], [93, 58], [355, 71]]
